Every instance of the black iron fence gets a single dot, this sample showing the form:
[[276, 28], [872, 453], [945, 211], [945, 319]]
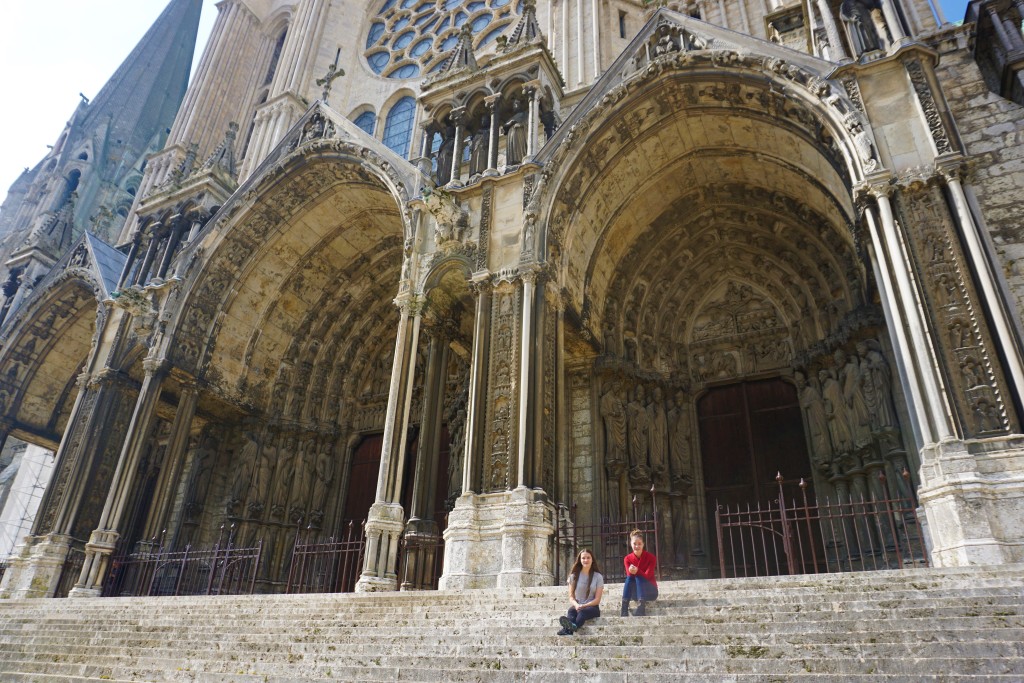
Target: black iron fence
[[221, 570], [330, 565], [608, 540], [789, 536], [71, 570]]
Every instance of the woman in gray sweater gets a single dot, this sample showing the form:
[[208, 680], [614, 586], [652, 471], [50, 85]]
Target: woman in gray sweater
[[586, 584]]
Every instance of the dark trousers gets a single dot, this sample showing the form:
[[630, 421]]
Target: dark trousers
[[579, 617], [640, 589]]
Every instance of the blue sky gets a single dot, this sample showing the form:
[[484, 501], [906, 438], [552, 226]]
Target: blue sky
[[51, 51]]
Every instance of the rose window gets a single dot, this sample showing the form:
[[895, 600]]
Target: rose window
[[411, 38]]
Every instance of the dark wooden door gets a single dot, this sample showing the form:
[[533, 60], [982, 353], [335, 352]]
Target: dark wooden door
[[749, 433], [362, 482]]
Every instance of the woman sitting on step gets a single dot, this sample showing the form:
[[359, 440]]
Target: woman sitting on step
[[641, 585], [586, 584]]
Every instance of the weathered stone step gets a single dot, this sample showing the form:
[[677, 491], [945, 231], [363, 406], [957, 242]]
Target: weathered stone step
[[752, 659]]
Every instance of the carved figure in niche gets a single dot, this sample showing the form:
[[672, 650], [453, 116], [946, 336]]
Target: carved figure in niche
[[324, 477], [960, 334], [478, 147], [639, 435], [681, 457], [865, 25], [853, 394], [445, 155], [865, 147], [813, 406], [659, 434], [515, 135], [986, 416], [549, 119], [971, 372], [610, 347], [306, 462], [877, 382], [839, 431], [948, 290], [260, 487], [613, 414], [243, 467], [665, 43], [285, 473], [205, 459]]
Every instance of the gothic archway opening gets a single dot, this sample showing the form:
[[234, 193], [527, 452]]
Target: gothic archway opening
[[703, 240], [292, 336]]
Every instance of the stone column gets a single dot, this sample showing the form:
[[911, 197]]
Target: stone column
[[997, 23], [459, 119], [133, 253], [421, 532], [986, 280], [493, 104], [172, 244], [526, 361], [892, 20], [170, 473], [475, 403], [530, 90], [103, 540], [897, 325], [835, 40], [386, 519], [938, 428], [155, 235]]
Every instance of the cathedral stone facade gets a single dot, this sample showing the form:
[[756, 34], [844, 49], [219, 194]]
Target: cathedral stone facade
[[458, 268]]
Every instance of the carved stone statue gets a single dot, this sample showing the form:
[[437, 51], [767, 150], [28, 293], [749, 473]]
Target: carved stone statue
[[324, 476], [813, 407], [613, 415], [681, 455], [853, 393], [839, 431], [659, 434], [243, 467], [515, 135], [205, 459], [445, 155], [875, 371], [285, 473], [479, 147], [260, 488], [639, 435]]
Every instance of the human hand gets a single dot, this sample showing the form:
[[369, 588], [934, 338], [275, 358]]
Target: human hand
[[633, 569]]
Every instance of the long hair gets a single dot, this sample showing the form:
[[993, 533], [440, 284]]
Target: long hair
[[577, 569]]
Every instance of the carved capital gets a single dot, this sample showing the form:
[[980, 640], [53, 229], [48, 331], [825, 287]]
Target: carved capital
[[493, 102]]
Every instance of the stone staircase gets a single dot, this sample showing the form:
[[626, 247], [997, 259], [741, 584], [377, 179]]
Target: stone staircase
[[911, 625]]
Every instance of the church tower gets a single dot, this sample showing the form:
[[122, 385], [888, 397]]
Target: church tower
[[89, 178]]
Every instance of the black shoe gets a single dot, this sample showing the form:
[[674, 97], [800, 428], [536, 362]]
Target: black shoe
[[625, 610], [566, 625], [641, 609], [564, 632]]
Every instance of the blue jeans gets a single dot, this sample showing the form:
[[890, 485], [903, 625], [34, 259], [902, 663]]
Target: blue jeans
[[579, 617], [640, 589]]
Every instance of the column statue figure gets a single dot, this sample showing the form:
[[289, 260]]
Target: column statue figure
[[515, 135]]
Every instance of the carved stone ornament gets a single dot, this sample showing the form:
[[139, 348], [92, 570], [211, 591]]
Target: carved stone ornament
[[450, 219]]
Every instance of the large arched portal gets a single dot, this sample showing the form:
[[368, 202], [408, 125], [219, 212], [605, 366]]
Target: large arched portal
[[704, 234], [289, 326]]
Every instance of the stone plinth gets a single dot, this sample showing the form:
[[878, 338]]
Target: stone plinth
[[973, 496], [35, 567], [499, 540]]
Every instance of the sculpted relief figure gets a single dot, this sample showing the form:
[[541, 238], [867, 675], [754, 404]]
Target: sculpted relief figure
[[260, 488], [445, 155], [680, 455], [478, 147], [639, 435], [876, 371], [515, 135], [285, 473], [659, 434], [244, 467], [813, 406], [839, 431], [205, 459], [324, 477], [613, 416], [853, 394]]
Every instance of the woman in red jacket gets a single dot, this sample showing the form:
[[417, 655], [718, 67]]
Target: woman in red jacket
[[641, 585]]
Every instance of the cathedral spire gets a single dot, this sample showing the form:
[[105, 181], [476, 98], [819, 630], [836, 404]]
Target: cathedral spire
[[148, 86]]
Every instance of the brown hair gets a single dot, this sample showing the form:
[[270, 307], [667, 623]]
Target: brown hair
[[577, 569]]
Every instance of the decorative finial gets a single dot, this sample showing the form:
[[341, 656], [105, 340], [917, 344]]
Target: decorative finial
[[333, 72]]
